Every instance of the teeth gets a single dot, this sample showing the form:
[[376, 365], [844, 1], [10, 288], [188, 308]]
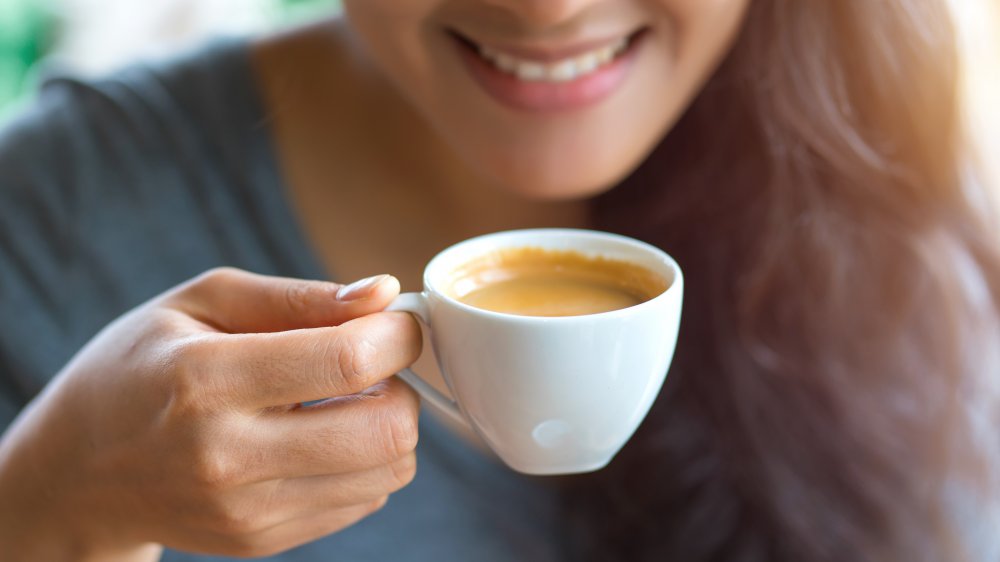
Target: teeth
[[505, 63], [559, 71], [563, 72], [605, 55], [530, 71], [587, 63]]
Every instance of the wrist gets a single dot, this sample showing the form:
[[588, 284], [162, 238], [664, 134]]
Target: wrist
[[43, 513], [56, 545], [36, 525]]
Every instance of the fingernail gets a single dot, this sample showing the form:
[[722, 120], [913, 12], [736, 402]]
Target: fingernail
[[360, 289]]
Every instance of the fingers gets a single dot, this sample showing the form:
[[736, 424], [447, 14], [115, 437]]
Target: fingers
[[275, 468], [274, 514], [291, 476], [311, 495], [260, 371], [290, 534], [235, 301], [259, 534], [312, 527], [363, 432]]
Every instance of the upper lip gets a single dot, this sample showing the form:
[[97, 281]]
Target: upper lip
[[548, 51]]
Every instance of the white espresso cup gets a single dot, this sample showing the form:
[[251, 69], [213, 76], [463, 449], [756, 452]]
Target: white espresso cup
[[549, 395]]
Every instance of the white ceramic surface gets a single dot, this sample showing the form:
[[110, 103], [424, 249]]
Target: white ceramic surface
[[549, 395]]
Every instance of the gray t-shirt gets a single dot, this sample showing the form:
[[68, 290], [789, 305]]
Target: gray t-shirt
[[113, 190]]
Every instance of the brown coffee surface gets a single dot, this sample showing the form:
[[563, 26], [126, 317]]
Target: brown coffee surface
[[537, 282]]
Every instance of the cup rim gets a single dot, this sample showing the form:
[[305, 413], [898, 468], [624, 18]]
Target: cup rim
[[675, 286]]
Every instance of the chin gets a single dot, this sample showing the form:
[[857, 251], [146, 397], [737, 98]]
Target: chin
[[555, 187], [563, 178]]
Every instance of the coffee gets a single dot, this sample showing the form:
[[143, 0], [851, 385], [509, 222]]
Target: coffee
[[533, 281]]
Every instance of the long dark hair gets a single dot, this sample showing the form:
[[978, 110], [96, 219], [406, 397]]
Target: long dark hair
[[840, 328]]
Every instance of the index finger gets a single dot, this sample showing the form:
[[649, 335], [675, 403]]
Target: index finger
[[281, 368], [235, 301]]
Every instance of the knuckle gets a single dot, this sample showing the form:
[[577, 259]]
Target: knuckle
[[378, 504], [240, 526], [297, 298], [192, 354], [355, 360], [218, 275], [239, 530], [213, 470], [204, 285], [188, 367], [399, 431], [158, 330], [404, 471], [247, 546]]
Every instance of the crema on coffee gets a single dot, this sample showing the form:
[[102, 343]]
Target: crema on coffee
[[533, 281]]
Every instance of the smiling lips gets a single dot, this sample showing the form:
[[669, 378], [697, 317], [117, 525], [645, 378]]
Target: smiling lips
[[539, 82], [565, 70]]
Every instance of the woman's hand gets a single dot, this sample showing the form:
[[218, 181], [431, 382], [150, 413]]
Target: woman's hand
[[180, 424]]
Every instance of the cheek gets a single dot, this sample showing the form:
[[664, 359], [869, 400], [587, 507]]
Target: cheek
[[704, 28], [394, 35]]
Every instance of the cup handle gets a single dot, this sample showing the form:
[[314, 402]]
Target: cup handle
[[416, 304]]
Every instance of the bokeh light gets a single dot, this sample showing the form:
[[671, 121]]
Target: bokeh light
[[979, 26]]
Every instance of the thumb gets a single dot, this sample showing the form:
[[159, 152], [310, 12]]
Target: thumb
[[236, 301]]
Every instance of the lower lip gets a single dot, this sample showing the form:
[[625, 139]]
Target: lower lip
[[579, 93]]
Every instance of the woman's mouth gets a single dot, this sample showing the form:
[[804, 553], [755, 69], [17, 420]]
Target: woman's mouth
[[550, 80]]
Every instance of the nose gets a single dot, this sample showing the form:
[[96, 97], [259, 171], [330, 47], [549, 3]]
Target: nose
[[544, 13]]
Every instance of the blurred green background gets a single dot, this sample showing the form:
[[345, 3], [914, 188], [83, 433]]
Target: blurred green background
[[83, 32], [25, 35]]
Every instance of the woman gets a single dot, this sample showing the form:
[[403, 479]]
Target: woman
[[830, 398]]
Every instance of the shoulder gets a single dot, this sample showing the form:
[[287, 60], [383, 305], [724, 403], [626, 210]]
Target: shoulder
[[135, 151], [105, 128], [115, 188], [150, 142]]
